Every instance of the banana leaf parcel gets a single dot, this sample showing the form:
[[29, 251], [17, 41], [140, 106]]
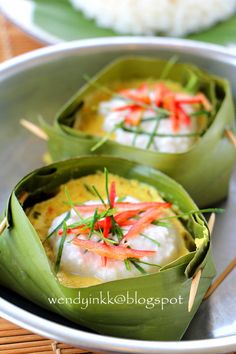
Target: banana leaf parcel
[[157, 313], [204, 169]]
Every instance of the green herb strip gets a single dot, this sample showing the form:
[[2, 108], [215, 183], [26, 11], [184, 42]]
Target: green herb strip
[[151, 239], [142, 262], [127, 265], [58, 227], [99, 195], [95, 218], [192, 213], [153, 134], [106, 240], [115, 94], [61, 246], [107, 186], [89, 189], [104, 139], [121, 199], [88, 221], [169, 65], [137, 266], [72, 204]]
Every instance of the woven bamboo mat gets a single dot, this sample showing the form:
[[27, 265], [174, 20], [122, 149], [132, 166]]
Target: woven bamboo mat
[[15, 340], [13, 41]]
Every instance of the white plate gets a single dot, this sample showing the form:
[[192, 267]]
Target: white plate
[[53, 21]]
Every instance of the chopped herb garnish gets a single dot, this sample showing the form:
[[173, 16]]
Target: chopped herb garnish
[[119, 95], [60, 249], [169, 65], [95, 218], [121, 199], [200, 113], [116, 229], [147, 263], [104, 138], [71, 204], [141, 131], [98, 195], [58, 226], [105, 239], [127, 265], [89, 189], [106, 187], [153, 134], [137, 266], [151, 239], [192, 82], [87, 221], [192, 213], [136, 133]]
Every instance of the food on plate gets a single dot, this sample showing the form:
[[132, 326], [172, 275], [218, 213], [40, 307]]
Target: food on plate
[[148, 17], [153, 115], [168, 115], [107, 229]]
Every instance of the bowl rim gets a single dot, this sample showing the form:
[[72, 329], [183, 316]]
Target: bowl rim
[[36, 57], [77, 337]]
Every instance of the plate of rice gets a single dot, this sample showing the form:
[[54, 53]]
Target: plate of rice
[[54, 21]]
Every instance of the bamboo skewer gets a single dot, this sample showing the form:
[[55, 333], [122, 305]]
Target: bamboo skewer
[[41, 342], [220, 278], [227, 270], [193, 289], [33, 128], [211, 222], [231, 136], [3, 225]]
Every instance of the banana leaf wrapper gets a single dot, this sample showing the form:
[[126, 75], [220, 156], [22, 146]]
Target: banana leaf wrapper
[[26, 269], [204, 170]]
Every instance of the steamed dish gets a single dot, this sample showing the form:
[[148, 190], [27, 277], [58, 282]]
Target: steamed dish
[[168, 115], [82, 238], [148, 17], [154, 115], [128, 242]]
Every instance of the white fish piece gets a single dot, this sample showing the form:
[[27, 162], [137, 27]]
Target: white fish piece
[[162, 144], [165, 240]]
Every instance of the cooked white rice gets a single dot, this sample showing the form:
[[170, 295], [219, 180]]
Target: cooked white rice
[[148, 17]]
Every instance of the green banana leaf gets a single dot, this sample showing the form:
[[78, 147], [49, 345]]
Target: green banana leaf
[[204, 170], [60, 19], [25, 268]]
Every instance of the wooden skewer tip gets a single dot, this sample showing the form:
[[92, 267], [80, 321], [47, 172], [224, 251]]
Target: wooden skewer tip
[[33, 128], [211, 222], [193, 289], [231, 136], [3, 225], [220, 279]]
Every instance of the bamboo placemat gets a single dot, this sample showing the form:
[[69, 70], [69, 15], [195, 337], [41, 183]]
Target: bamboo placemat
[[16, 340], [13, 41]]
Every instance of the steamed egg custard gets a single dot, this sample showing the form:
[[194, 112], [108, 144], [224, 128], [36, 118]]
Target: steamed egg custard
[[154, 115], [102, 227]]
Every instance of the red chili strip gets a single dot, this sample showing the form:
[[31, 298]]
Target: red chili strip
[[109, 251], [145, 220], [123, 206]]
